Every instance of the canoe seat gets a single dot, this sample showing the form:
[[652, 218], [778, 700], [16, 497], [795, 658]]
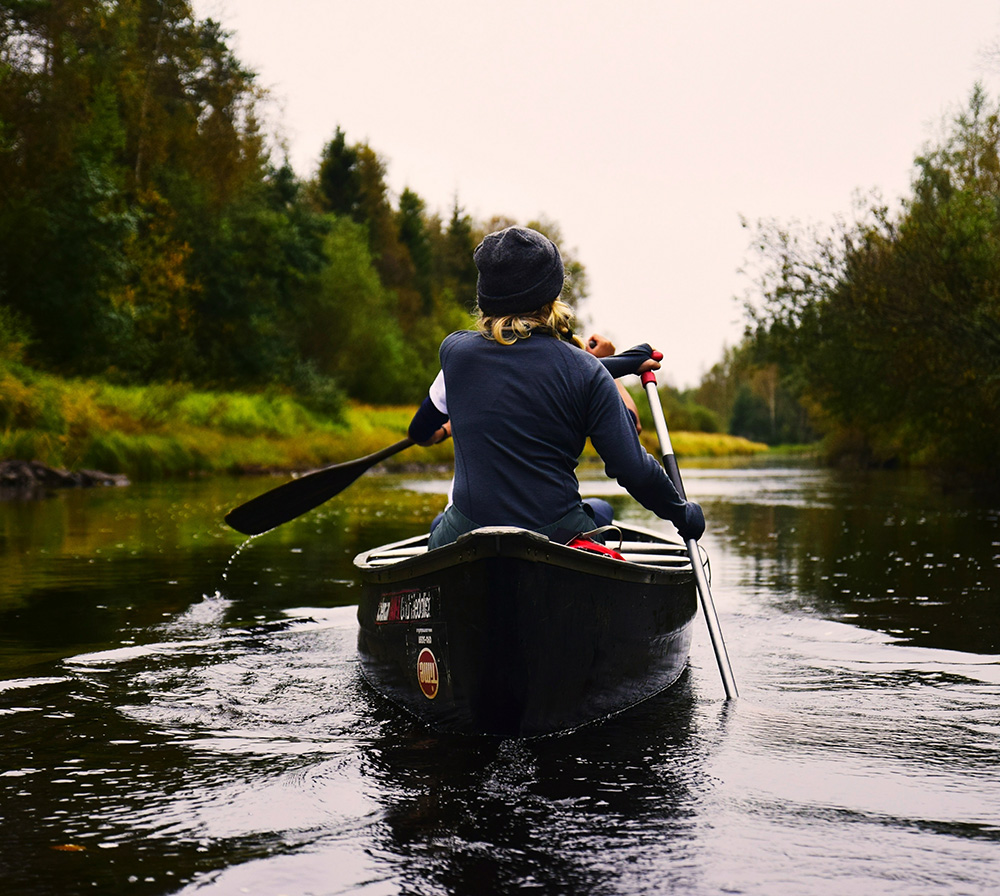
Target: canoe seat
[[665, 555]]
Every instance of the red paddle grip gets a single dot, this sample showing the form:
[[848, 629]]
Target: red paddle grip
[[649, 376]]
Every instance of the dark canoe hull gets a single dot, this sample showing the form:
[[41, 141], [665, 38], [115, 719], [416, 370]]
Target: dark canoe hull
[[506, 633]]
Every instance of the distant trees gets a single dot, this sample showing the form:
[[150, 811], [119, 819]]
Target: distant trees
[[888, 329], [128, 138], [753, 400], [146, 234]]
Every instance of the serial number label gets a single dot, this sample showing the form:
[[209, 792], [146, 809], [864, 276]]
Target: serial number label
[[415, 605]]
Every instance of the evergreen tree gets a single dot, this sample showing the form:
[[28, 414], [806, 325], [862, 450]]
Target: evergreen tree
[[413, 234], [455, 268], [338, 181]]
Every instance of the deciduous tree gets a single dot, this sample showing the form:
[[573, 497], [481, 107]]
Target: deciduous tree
[[891, 324]]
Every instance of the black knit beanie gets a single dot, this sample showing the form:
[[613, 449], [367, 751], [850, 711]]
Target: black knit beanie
[[520, 270]]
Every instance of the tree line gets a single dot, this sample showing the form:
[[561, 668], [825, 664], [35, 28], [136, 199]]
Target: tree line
[[886, 329], [147, 234]]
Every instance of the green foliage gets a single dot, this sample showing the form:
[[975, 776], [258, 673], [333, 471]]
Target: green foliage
[[126, 121], [15, 334], [146, 235], [338, 182], [256, 262], [29, 401], [681, 411], [457, 270], [891, 326], [704, 444], [413, 234], [347, 322], [754, 399], [147, 456], [161, 429], [319, 393]]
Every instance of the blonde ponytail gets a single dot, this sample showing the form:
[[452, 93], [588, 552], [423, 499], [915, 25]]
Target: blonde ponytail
[[554, 319]]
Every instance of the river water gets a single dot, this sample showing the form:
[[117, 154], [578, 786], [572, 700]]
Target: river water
[[181, 712]]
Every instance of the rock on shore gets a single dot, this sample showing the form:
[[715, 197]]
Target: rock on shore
[[30, 474]]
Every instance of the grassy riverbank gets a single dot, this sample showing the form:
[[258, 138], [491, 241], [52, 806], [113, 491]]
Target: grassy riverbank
[[152, 432]]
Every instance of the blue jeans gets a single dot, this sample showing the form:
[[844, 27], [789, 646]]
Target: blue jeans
[[591, 514]]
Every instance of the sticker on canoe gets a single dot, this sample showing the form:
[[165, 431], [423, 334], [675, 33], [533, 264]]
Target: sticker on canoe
[[406, 606], [427, 673]]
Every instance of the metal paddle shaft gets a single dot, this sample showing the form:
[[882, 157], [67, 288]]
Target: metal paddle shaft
[[704, 592]]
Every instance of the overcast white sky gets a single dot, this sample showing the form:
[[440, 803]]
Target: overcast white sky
[[645, 129]]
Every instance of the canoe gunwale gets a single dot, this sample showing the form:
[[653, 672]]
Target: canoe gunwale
[[522, 544]]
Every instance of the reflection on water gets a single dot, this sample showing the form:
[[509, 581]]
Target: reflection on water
[[882, 550], [180, 716]]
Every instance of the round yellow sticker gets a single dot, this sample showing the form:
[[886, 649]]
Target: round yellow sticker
[[427, 673]]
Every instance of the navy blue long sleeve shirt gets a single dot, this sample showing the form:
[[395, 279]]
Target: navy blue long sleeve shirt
[[520, 417]]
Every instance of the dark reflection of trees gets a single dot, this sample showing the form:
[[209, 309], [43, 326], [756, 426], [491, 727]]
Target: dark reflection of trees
[[888, 551], [80, 571], [563, 814], [84, 571]]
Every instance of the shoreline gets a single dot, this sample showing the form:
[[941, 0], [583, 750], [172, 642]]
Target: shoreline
[[20, 476], [79, 428]]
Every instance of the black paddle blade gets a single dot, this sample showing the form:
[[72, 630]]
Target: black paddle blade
[[292, 499]]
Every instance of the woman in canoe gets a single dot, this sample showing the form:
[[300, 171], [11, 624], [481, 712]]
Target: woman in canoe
[[522, 397]]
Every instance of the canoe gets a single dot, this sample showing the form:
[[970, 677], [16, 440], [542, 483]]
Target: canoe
[[507, 633]]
